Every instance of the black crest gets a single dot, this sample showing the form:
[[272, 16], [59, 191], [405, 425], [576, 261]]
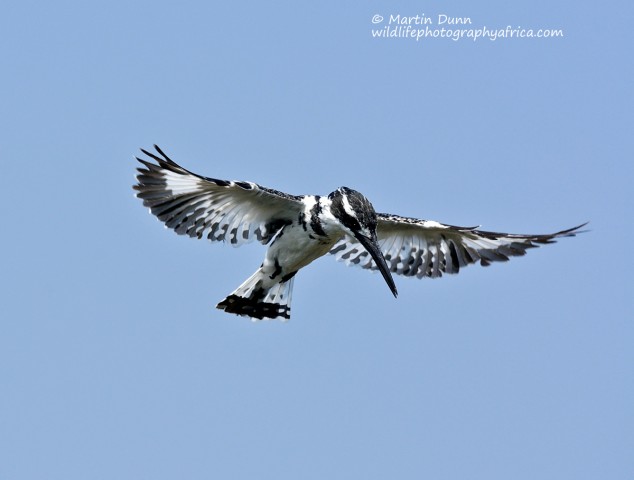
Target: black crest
[[364, 214]]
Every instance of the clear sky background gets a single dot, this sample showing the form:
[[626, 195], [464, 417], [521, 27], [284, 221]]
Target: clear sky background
[[114, 363]]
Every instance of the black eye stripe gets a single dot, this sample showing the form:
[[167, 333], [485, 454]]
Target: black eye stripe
[[350, 222]]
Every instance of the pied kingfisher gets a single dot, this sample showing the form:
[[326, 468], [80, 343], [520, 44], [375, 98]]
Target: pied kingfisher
[[300, 229]]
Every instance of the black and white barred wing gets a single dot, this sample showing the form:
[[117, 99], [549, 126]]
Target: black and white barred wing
[[221, 210], [421, 248]]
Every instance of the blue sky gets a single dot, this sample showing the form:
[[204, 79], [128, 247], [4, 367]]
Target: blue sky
[[114, 362]]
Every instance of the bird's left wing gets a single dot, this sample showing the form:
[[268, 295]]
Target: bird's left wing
[[424, 248], [221, 210]]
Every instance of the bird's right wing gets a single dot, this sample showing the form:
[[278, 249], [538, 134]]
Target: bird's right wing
[[424, 248], [198, 206]]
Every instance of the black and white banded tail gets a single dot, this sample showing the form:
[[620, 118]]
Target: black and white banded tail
[[256, 300]]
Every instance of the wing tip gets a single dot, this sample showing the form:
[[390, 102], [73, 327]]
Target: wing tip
[[162, 158], [571, 232]]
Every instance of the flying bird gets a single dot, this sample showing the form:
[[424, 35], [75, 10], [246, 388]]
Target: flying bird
[[300, 229]]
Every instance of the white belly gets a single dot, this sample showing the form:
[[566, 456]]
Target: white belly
[[294, 249]]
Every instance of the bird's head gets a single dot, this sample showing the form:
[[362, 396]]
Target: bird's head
[[358, 217]]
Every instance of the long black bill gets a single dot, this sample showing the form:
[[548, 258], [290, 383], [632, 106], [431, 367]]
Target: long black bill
[[373, 248]]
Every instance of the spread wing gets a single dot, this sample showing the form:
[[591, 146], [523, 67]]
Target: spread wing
[[198, 206], [423, 248]]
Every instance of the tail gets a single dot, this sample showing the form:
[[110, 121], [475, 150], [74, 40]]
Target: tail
[[258, 298]]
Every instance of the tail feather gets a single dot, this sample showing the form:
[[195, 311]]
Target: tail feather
[[257, 299]]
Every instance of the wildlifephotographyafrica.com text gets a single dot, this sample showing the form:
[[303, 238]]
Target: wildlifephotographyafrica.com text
[[423, 27]]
